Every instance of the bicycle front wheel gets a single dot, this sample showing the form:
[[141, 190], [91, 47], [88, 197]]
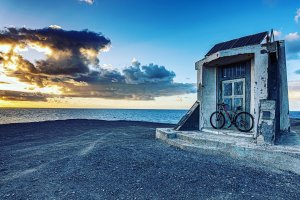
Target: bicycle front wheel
[[244, 121], [217, 120]]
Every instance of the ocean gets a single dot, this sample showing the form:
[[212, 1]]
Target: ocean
[[20, 115], [16, 115]]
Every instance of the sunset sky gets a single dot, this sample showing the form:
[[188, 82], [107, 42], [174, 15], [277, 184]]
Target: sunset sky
[[127, 54]]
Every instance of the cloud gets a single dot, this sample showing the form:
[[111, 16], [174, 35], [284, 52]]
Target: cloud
[[294, 95], [151, 73], [21, 96], [292, 36], [68, 52], [277, 34], [90, 2], [55, 26], [136, 82], [297, 16], [293, 44], [71, 68], [294, 90]]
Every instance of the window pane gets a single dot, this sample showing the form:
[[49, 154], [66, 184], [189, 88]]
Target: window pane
[[228, 101], [227, 89], [238, 102], [238, 88]]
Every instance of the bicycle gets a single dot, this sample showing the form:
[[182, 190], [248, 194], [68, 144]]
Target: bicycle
[[242, 120]]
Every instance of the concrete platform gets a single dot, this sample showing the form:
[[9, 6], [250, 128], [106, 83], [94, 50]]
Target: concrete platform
[[234, 144]]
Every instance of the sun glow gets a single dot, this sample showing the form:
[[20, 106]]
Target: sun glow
[[12, 84], [11, 62], [5, 48], [43, 49], [56, 90], [10, 58]]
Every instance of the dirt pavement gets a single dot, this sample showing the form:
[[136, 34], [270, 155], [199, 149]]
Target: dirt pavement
[[90, 159]]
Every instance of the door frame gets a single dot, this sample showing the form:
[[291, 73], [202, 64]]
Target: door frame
[[247, 76]]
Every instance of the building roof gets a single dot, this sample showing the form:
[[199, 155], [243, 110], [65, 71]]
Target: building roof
[[239, 42]]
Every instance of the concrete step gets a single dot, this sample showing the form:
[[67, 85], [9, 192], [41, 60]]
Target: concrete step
[[228, 132], [210, 138], [203, 138], [281, 157], [204, 141]]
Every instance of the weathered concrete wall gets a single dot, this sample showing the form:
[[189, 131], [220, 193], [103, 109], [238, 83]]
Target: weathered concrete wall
[[252, 88], [283, 90], [260, 87], [200, 95], [266, 122], [207, 94]]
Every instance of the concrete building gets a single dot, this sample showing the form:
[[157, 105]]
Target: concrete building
[[249, 72]]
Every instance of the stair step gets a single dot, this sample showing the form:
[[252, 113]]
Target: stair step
[[204, 139], [197, 136], [196, 139], [232, 133]]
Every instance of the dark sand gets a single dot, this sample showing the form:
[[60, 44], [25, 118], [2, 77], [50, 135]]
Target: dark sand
[[90, 159]]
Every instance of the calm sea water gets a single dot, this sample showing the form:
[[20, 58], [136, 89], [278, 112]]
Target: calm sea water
[[35, 115], [8, 116], [295, 114]]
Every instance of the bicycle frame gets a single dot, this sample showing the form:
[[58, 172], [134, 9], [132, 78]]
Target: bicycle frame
[[231, 119]]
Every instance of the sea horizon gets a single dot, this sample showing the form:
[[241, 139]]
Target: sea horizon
[[99, 108], [26, 115]]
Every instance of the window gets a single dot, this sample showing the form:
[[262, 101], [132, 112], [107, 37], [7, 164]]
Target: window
[[236, 70], [233, 93]]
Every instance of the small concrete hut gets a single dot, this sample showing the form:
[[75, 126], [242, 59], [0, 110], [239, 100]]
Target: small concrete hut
[[249, 72]]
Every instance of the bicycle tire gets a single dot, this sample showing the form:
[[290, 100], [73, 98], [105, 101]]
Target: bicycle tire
[[237, 125], [220, 115]]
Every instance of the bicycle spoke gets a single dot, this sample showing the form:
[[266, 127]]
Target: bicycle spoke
[[217, 120], [244, 121]]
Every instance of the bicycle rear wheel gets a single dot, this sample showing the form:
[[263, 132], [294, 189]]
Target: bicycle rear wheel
[[217, 120], [244, 121]]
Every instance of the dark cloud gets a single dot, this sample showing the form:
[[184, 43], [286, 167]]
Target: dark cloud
[[58, 39], [21, 96], [72, 65], [70, 49], [143, 91], [135, 82], [151, 73], [101, 76]]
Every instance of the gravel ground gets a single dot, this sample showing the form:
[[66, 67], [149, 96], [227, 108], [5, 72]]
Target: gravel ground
[[90, 159]]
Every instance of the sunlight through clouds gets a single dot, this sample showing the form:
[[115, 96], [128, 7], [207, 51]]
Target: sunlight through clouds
[[71, 69]]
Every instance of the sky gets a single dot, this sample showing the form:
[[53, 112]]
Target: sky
[[127, 54]]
